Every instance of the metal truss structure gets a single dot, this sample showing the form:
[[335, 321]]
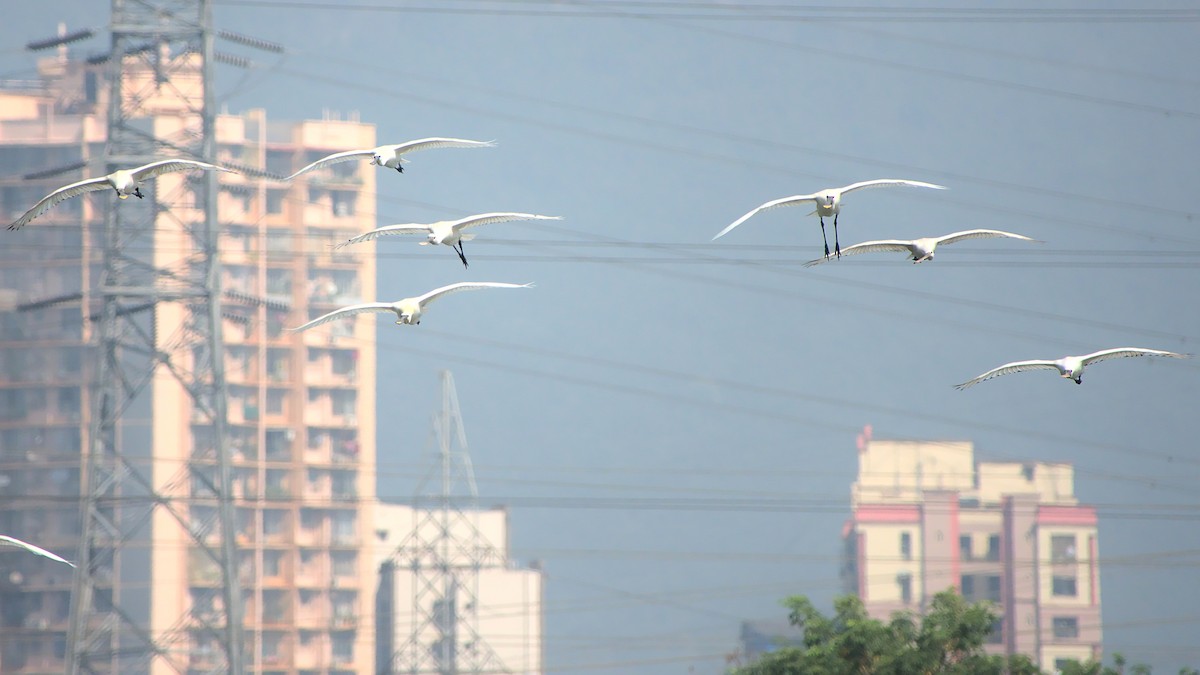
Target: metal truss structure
[[157, 326], [444, 554]]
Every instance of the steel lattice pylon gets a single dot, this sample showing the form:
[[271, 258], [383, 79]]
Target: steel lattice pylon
[[444, 553], [156, 320]]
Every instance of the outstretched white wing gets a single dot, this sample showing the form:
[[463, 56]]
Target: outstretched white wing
[[868, 247], [436, 293], [171, 165], [884, 182], [438, 142], [334, 159], [408, 228], [6, 540], [66, 192], [346, 311], [975, 234], [785, 201], [1014, 367], [1123, 352], [502, 217]]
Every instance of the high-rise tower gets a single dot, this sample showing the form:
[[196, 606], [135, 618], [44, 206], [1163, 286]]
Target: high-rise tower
[[111, 341]]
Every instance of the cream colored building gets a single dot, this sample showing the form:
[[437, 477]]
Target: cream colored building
[[927, 517], [490, 614], [301, 406]]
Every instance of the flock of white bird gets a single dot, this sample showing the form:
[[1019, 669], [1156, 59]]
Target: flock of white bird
[[829, 203], [408, 311]]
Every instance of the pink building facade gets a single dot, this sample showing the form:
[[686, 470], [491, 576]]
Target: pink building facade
[[926, 518]]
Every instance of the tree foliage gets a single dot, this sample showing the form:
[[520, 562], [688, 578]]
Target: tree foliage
[[948, 640]]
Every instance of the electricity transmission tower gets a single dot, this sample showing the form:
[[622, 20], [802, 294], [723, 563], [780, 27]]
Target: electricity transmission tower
[[444, 554], [156, 324]]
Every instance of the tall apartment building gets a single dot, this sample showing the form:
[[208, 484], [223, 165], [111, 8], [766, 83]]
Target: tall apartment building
[[450, 598], [301, 406], [926, 517]]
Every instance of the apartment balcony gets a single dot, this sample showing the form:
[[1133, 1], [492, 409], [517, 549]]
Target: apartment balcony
[[320, 492], [314, 615], [327, 257], [311, 576], [313, 537], [314, 658], [344, 582], [240, 255], [333, 333], [321, 414], [319, 455], [203, 573]]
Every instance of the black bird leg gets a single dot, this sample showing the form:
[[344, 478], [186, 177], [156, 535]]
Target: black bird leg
[[400, 168], [461, 256], [823, 236], [836, 246], [137, 192]]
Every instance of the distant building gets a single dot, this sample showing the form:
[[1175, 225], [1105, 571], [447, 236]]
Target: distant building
[[763, 637], [449, 597], [926, 517], [301, 405]]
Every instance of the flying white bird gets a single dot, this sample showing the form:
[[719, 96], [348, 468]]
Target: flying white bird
[[1070, 367], [408, 310], [124, 181], [921, 249], [828, 202], [391, 155], [6, 540], [448, 232]]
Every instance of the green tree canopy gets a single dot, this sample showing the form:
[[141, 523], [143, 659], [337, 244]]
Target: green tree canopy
[[948, 639]]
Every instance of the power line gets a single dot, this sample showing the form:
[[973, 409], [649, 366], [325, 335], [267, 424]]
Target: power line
[[764, 12]]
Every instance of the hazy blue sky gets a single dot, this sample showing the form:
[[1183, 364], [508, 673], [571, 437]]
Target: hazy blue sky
[[722, 383]]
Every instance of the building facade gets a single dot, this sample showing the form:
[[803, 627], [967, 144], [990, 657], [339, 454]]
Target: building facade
[[926, 517], [301, 405]]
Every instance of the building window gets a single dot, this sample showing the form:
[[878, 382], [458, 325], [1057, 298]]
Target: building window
[[1062, 548], [275, 201], [343, 647], [993, 587], [905, 583], [993, 552], [272, 563], [995, 635], [343, 203], [906, 546], [344, 563], [964, 546], [1064, 586], [275, 399], [1066, 627], [967, 582], [1062, 664]]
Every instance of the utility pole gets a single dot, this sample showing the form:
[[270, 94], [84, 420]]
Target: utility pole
[[444, 553], [157, 326]]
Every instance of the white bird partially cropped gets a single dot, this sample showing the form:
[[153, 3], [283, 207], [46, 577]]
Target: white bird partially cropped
[[408, 310], [920, 249], [448, 232], [391, 155], [124, 181], [1070, 367], [6, 540], [828, 203]]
